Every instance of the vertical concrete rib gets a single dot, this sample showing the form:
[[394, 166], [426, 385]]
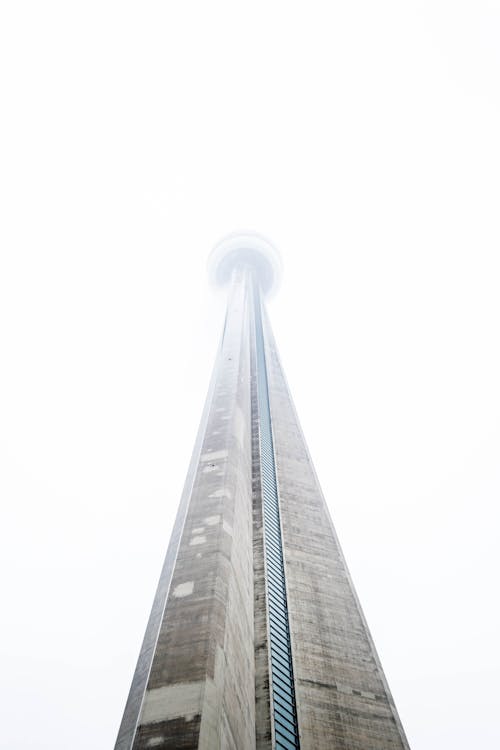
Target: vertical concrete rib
[[263, 722], [286, 733]]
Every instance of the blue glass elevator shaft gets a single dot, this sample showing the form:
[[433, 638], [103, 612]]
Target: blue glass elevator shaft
[[283, 692]]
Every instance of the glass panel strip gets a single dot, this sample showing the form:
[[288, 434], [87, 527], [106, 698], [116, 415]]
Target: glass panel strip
[[286, 730], [285, 715], [281, 696], [283, 744], [283, 681], [281, 729], [284, 676]]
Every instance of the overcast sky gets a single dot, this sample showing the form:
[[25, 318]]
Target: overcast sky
[[362, 138]]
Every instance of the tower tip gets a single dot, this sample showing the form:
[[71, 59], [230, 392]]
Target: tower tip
[[250, 248]]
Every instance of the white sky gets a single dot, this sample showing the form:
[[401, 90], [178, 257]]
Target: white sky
[[362, 138]]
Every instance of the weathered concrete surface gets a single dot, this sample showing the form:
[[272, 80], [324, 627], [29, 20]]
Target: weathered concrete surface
[[198, 656], [343, 701], [203, 675]]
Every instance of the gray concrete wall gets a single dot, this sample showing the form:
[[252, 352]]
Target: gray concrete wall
[[263, 727], [202, 679], [199, 663], [343, 701]]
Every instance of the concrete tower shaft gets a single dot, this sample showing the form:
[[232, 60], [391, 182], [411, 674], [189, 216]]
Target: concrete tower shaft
[[256, 639]]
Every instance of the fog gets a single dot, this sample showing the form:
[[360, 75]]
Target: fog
[[362, 139]]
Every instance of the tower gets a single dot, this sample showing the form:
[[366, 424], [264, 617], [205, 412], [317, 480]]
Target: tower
[[256, 639]]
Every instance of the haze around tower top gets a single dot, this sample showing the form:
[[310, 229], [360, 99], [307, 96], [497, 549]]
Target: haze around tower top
[[246, 248], [361, 138]]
